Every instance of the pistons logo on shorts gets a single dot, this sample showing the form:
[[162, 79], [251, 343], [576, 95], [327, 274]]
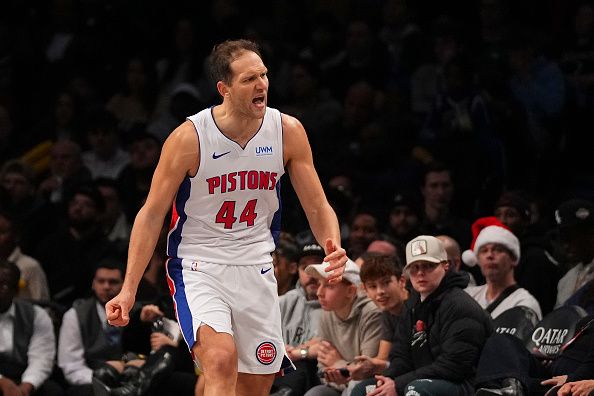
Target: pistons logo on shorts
[[266, 353]]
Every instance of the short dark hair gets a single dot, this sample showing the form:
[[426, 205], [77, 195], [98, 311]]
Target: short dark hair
[[288, 249], [379, 266], [15, 273], [91, 191], [219, 61], [435, 167], [112, 262], [19, 167]]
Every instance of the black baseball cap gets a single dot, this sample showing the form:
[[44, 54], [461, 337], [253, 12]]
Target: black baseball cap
[[311, 249], [575, 213]]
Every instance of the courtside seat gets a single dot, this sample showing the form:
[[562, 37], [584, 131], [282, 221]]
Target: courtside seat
[[553, 331], [517, 321]]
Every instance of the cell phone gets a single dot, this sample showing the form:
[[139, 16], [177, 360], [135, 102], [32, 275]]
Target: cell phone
[[344, 372]]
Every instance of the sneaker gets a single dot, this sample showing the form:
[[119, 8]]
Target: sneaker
[[511, 387]]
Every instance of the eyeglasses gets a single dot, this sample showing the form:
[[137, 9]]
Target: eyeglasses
[[426, 267]]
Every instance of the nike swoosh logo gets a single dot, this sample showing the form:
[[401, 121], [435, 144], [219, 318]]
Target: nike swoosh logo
[[263, 271], [216, 156]]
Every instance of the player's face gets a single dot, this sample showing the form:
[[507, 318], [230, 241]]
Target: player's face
[[248, 92]]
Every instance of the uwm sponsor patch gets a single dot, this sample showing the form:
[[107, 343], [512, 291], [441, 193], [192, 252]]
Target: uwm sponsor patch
[[266, 353]]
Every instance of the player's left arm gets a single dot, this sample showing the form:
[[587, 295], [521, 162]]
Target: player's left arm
[[304, 178]]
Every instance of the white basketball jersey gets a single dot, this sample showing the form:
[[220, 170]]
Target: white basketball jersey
[[229, 212]]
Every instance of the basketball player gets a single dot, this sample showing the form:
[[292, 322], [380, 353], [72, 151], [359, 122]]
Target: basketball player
[[221, 169]]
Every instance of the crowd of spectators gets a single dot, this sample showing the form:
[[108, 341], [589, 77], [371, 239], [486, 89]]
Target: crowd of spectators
[[423, 116]]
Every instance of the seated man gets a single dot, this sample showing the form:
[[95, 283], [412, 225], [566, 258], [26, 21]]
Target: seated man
[[89, 347], [300, 315], [506, 367], [440, 335], [350, 326], [385, 285], [575, 223], [27, 341], [284, 261], [497, 251], [452, 249]]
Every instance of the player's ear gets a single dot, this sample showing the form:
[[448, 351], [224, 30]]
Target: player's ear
[[222, 88]]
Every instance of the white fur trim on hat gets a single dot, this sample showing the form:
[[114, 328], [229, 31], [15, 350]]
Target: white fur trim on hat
[[500, 235], [469, 258]]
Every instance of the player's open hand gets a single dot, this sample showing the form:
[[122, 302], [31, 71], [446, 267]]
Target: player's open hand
[[118, 308], [336, 258]]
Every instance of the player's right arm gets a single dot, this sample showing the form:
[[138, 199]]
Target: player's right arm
[[179, 158]]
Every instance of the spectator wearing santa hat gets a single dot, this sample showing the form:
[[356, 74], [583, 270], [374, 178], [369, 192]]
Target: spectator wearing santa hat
[[537, 271], [497, 251]]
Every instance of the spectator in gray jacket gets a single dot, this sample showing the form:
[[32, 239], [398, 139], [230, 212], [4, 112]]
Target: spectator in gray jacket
[[351, 326], [300, 315]]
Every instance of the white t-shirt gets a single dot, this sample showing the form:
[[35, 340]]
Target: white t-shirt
[[520, 297]]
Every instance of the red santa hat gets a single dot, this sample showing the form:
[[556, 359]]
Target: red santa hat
[[490, 230]]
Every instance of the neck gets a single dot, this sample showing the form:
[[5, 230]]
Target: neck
[[397, 309], [424, 296], [344, 312], [494, 289], [435, 214], [235, 126]]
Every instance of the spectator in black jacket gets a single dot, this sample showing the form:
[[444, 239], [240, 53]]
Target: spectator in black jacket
[[507, 368], [440, 336]]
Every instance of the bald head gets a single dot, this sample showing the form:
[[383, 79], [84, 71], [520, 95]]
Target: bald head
[[452, 249]]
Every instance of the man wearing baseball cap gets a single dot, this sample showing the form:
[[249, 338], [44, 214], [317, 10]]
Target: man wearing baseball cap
[[575, 222], [350, 326], [300, 317], [440, 336]]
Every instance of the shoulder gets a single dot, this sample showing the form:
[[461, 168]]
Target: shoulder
[[41, 315], [69, 316], [292, 128], [290, 297], [523, 294], [474, 290], [185, 133], [569, 275], [459, 304], [181, 150], [25, 262], [295, 142], [370, 312]]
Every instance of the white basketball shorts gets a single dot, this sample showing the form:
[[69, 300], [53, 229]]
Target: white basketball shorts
[[235, 299]]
